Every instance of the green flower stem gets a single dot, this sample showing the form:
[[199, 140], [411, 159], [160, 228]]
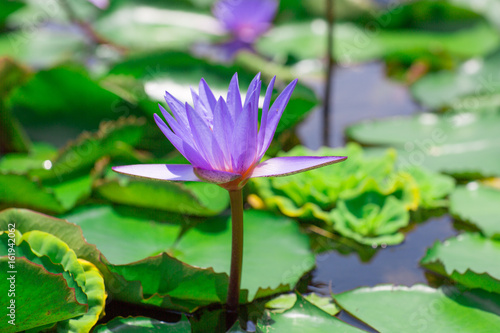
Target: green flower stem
[[233, 293]]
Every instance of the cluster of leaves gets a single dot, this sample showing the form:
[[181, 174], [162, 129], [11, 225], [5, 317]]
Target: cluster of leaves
[[73, 296], [367, 200]]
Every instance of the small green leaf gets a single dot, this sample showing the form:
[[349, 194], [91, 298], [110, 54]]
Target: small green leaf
[[304, 317], [478, 205], [469, 259], [287, 301], [60, 299]]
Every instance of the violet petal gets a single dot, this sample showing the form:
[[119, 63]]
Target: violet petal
[[283, 166], [168, 172]]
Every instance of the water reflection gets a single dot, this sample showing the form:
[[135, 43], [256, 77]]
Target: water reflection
[[395, 264], [359, 93]]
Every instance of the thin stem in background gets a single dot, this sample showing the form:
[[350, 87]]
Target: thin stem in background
[[89, 31], [327, 109], [233, 293]]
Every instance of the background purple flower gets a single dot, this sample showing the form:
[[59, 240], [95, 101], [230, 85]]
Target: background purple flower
[[246, 19]]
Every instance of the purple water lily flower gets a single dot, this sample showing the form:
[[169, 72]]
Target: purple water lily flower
[[222, 140], [246, 20], [102, 4]]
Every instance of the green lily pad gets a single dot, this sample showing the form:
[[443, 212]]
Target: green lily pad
[[468, 87], [304, 317], [478, 205], [166, 27], [264, 233], [21, 191], [287, 301], [114, 232], [25, 191], [56, 301], [142, 324], [37, 103], [113, 139], [61, 297], [71, 234], [7, 9], [42, 47], [469, 259], [420, 308], [193, 198], [487, 9], [21, 163], [354, 43], [14, 138], [462, 144]]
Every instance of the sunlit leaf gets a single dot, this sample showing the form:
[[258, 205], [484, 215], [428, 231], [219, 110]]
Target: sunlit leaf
[[478, 205], [420, 308], [462, 144], [469, 259], [60, 299], [304, 317]]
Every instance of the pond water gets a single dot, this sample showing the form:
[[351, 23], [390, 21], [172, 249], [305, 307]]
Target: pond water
[[358, 93]]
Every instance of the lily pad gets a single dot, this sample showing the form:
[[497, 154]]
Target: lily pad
[[468, 87], [199, 199], [478, 205], [114, 232], [461, 144], [37, 102], [287, 301], [14, 138], [25, 191], [113, 139], [469, 259], [420, 308], [21, 163], [304, 317], [264, 233], [150, 26], [21, 191], [71, 234], [61, 296], [143, 324], [354, 43]]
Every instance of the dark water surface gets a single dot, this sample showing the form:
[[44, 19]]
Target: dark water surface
[[360, 92], [394, 264]]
